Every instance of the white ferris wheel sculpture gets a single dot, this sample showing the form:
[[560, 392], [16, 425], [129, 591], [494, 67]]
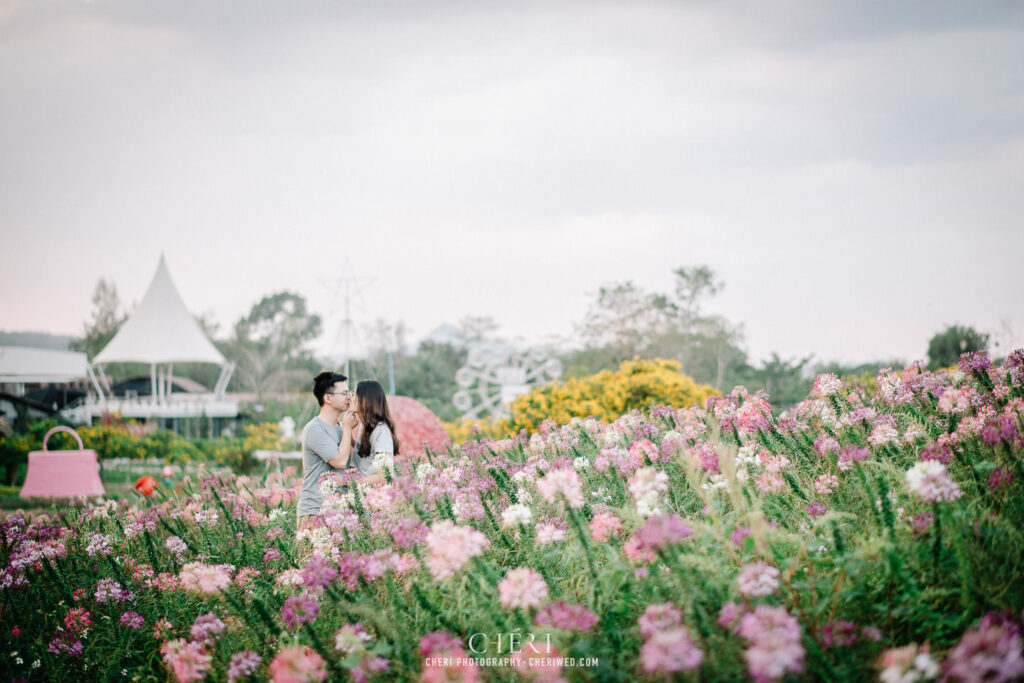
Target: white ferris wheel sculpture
[[495, 373]]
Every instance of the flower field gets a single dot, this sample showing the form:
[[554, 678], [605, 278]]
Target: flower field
[[858, 536]]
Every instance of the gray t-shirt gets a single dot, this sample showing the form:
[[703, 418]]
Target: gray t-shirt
[[381, 441], [320, 443]]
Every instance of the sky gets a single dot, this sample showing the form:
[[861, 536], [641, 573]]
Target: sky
[[852, 171]]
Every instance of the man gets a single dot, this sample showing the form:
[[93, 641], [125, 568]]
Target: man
[[326, 445]]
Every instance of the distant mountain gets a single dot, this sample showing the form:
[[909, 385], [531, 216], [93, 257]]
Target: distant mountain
[[36, 340]]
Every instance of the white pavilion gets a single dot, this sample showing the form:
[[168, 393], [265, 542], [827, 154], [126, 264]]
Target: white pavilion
[[160, 333]]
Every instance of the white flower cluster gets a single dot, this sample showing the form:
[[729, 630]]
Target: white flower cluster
[[516, 515], [930, 480], [207, 517], [382, 460], [579, 464], [422, 470], [646, 485], [329, 486]]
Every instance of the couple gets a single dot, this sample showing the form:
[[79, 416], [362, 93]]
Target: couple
[[330, 446]]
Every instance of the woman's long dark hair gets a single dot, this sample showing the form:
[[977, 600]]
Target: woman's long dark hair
[[373, 409]]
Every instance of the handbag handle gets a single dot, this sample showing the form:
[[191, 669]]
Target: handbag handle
[[62, 428]]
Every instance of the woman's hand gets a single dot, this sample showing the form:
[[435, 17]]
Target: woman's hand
[[349, 421]]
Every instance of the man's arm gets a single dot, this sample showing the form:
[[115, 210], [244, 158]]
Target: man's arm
[[344, 453], [321, 443]]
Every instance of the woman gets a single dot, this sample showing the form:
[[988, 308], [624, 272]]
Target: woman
[[378, 431]]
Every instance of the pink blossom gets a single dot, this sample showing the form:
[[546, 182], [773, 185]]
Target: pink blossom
[[758, 579], [522, 587], [299, 609], [604, 525], [189, 661], [659, 617], [663, 530], [549, 532], [206, 627], [989, 652], [826, 484], [638, 552], [563, 481], [774, 637], [769, 482], [204, 579], [930, 480], [133, 620], [826, 384], [565, 616], [670, 650], [297, 664], [243, 664], [452, 547], [730, 614]]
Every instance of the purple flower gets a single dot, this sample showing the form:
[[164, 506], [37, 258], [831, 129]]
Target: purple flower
[[65, 642], [758, 578], [816, 509], [206, 626], [976, 360], [660, 617], [999, 478], [243, 664], [300, 609], [990, 651], [922, 523], [565, 616], [739, 535], [663, 530], [271, 553], [774, 637], [133, 620], [839, 633], [318, 572]]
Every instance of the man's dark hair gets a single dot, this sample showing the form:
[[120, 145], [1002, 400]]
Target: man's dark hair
[[323, 382]]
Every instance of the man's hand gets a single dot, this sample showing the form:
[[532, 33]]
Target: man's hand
[[349, 421]]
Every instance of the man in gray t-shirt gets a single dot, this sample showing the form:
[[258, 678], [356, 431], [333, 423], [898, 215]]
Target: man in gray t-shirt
[[326, 445]]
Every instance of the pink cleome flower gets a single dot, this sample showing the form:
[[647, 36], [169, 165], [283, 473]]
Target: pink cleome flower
[[452, 547], [205, 579], [604, 525], [758, 579], [522, 587], [565, 482], [297, 664], [188, 661]]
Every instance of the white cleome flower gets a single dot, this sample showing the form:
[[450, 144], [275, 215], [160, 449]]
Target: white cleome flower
[[516, 515]]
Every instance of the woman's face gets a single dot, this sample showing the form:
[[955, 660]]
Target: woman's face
[[353, 404]]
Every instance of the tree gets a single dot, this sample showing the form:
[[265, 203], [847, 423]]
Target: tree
[[268, 346], [626, 320], [107, 318], [945, 347]]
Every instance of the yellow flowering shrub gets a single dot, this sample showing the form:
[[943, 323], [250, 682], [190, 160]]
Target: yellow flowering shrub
[[637, 384], [462, 430]]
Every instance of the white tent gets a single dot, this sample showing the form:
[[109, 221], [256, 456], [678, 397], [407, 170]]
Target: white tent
[[161, 330]]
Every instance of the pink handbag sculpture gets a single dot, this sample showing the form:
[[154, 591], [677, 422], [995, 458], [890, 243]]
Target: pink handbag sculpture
[[62, 474]]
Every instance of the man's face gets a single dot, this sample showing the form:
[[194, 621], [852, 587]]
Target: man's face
[[337, 397]]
